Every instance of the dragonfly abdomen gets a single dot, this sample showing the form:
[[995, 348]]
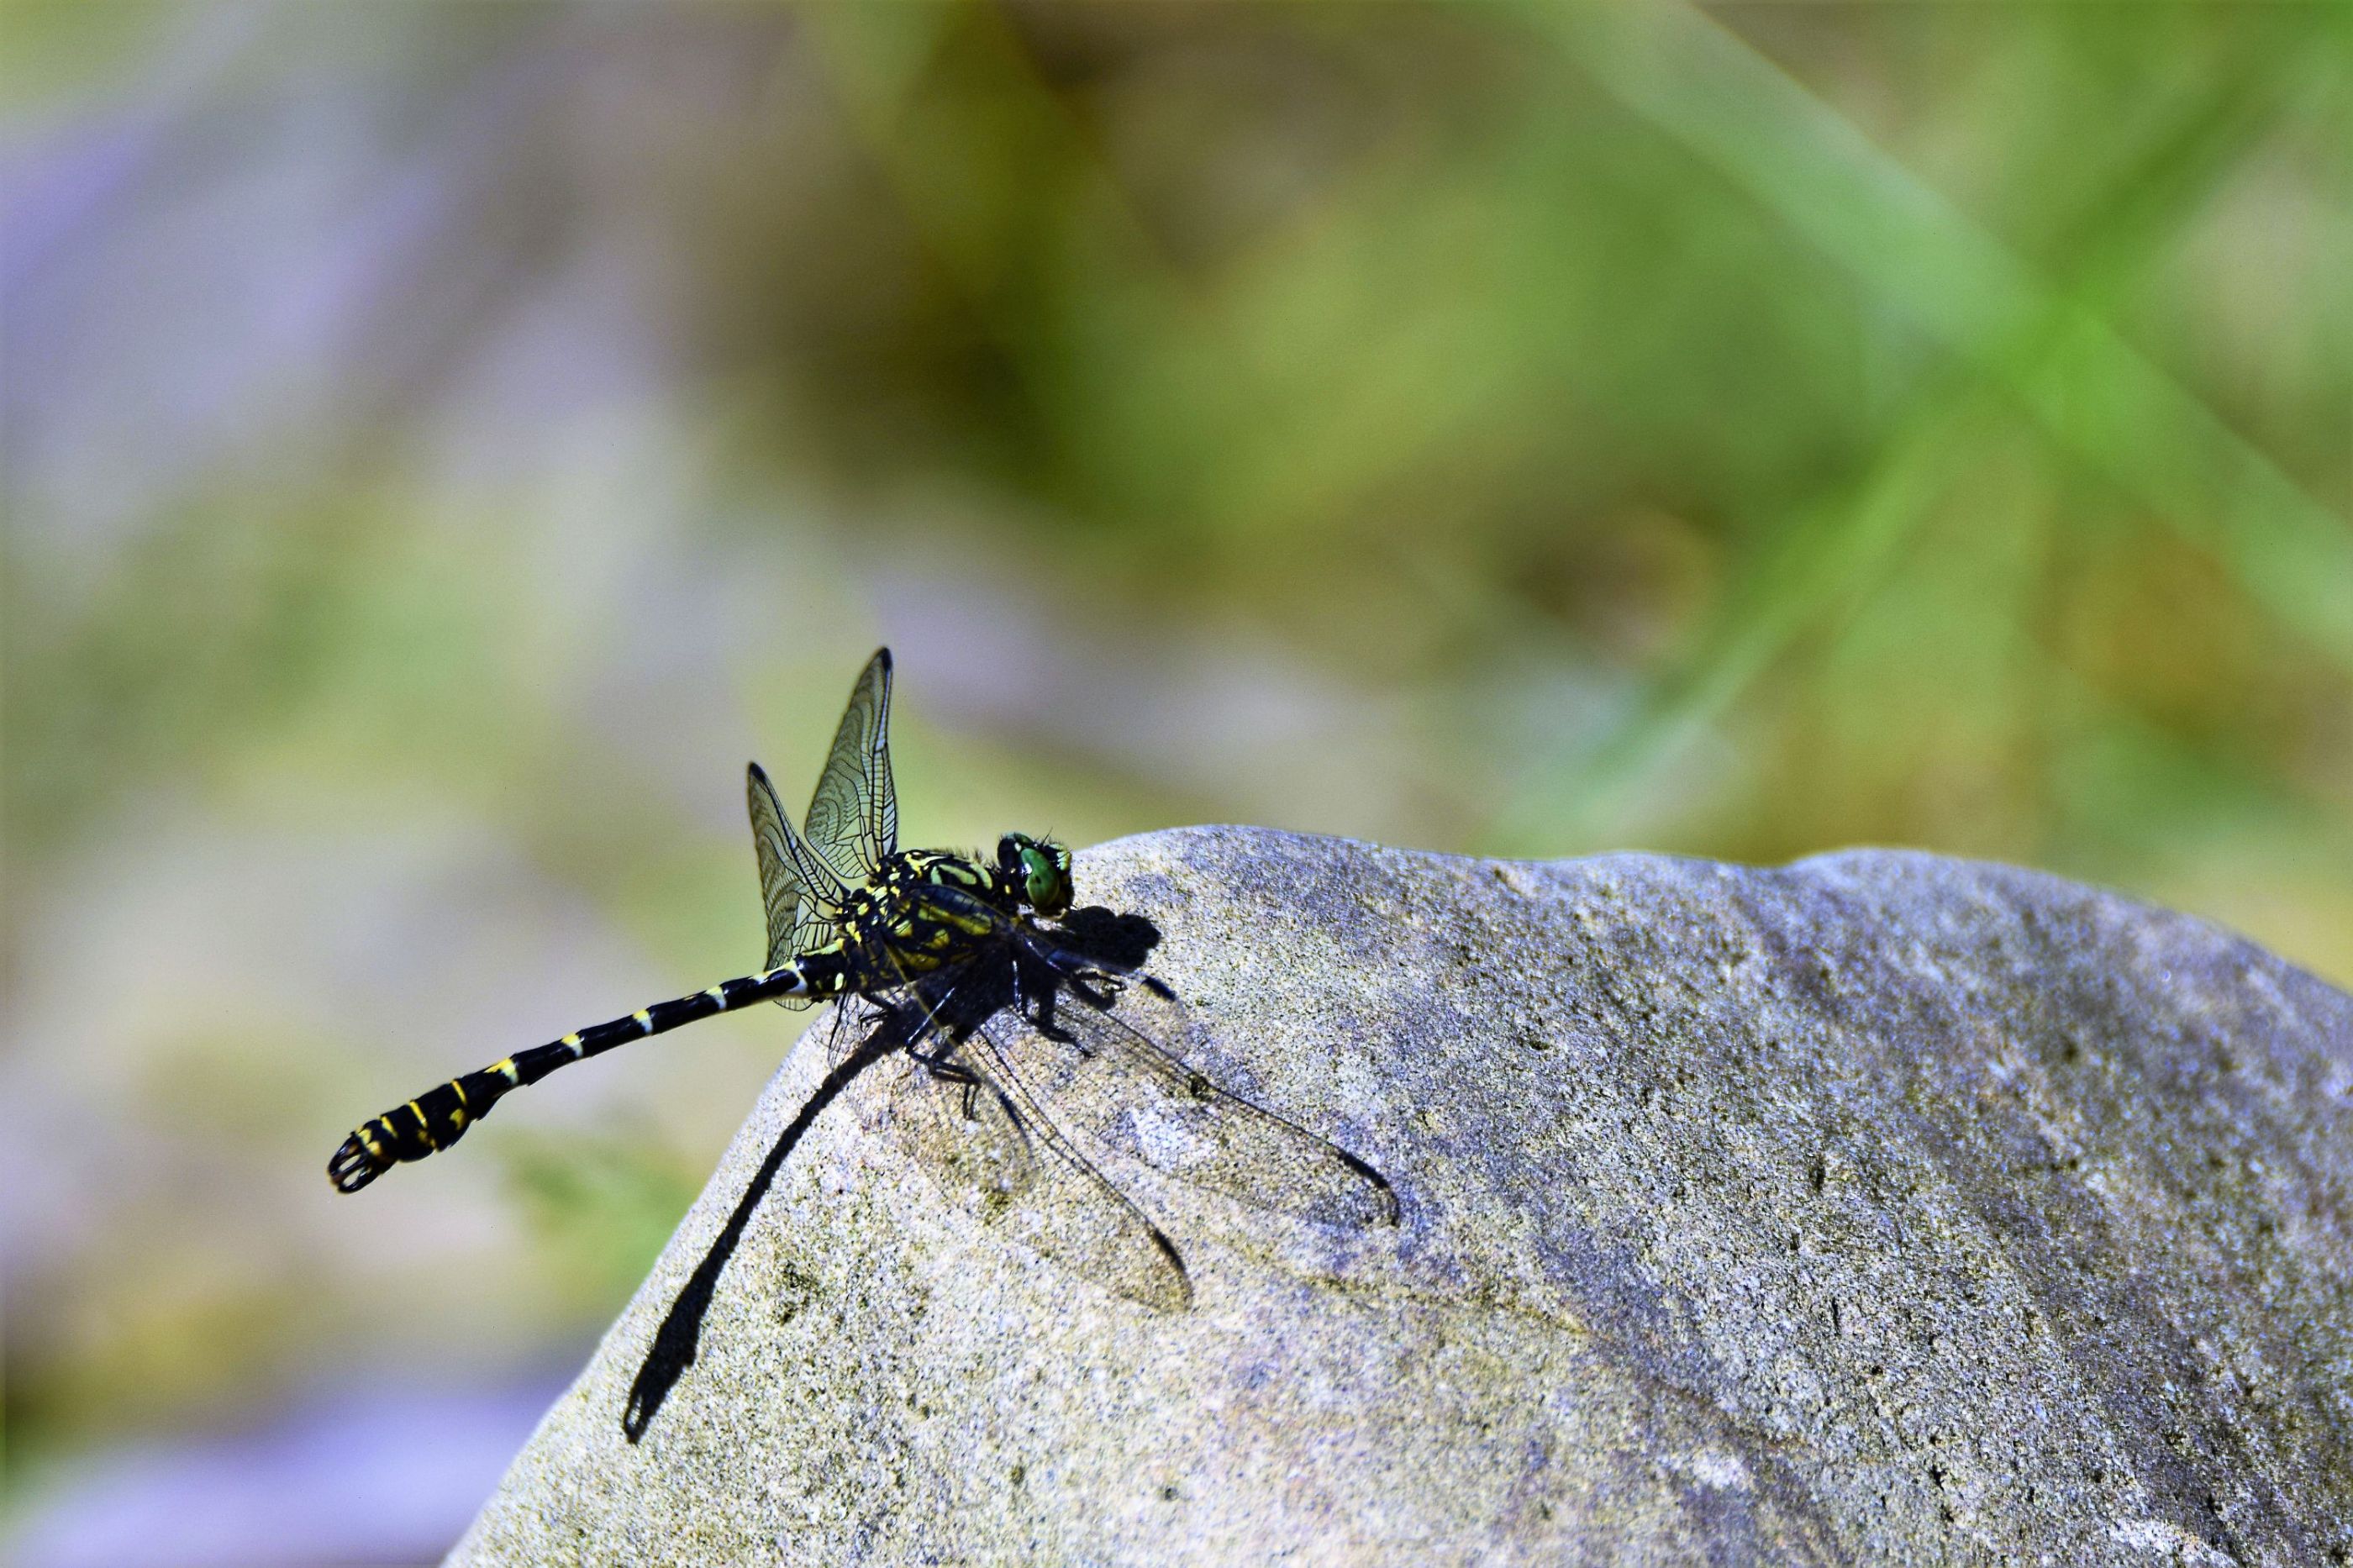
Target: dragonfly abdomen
[[440, 1115]]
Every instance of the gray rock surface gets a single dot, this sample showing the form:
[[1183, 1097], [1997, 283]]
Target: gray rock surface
[[1877, 1209]]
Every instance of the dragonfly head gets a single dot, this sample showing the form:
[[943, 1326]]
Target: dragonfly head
[[1039, 868]]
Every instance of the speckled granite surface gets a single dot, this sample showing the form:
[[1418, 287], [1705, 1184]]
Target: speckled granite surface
[[1878, 1208]]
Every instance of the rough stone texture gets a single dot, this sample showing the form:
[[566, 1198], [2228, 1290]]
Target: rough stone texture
[[1877, 1209]]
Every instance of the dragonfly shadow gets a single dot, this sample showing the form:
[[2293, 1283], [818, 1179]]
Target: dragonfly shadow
[[1103, 936], [1096, 934], [675, 1341]]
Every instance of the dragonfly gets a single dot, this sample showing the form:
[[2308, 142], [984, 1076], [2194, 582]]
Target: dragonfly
[[1028, 1049]]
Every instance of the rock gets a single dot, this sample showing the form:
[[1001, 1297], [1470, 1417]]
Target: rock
[[1877, 1209]]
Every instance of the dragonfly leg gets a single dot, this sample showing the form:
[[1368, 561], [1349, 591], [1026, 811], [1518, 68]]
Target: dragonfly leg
[[947, 1071]]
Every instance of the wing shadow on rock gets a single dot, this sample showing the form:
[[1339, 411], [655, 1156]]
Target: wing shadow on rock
[[1117, 941]]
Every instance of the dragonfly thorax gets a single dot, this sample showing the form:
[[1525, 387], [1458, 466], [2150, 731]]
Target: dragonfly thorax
[[922, 909], [1031, 875], [910, 873]]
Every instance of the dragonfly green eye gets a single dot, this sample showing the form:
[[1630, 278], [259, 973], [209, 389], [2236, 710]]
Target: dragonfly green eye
[[1041, 867]]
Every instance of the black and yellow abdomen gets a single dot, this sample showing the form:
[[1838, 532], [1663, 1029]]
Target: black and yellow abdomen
[[924, 910], [440, 1115]]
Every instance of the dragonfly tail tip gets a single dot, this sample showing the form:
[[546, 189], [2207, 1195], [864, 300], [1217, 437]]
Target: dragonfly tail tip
[[352, 1167]]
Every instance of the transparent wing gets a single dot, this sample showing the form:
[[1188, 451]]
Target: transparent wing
[[1099, 1053], [1103, 1054], [800, 893], [853, 817], [973, 1132]]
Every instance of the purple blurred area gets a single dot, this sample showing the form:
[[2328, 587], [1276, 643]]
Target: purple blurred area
[[310, 226], [382, 1475]]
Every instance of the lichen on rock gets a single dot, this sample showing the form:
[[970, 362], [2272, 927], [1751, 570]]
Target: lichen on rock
[[1877, 1209]]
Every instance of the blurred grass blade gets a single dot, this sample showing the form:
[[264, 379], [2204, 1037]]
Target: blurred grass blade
[[2046, 348], [1821, 558], [2096, 394]]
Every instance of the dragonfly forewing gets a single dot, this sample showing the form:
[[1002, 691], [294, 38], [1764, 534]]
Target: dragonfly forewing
[[980, 1137], [853, 814], [1093, 1052]]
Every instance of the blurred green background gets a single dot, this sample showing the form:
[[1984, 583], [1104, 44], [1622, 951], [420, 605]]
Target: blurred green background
[[443, 441]]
